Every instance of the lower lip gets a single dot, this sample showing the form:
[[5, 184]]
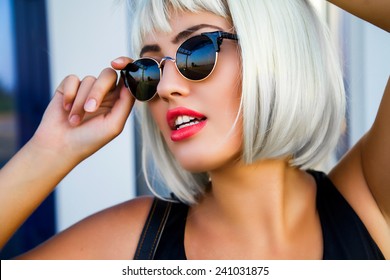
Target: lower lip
[[186, 132]]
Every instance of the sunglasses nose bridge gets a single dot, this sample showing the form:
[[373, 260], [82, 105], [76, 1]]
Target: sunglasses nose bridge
[[164, 59], [162, 63]]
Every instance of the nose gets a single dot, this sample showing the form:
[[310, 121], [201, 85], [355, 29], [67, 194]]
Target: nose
[[172, 84]]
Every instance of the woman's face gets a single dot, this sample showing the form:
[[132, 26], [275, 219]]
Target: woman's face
[[216, 140]]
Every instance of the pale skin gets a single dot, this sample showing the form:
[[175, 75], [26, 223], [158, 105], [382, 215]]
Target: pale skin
[[281, 199]]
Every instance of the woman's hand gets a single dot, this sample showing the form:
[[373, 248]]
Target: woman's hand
[[85, 115], [81, 118]]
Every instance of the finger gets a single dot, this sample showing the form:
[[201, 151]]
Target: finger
[[68, 88], [120, 62], [77, 111], [121, 109], [104, 84]]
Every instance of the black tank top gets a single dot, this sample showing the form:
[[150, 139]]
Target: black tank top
[[344, 234]]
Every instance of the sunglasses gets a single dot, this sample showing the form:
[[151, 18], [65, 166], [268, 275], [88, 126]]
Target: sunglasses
[[195, 60]]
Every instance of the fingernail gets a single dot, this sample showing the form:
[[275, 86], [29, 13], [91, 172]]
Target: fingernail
[[74, 120], [90, 105], [118, 61]]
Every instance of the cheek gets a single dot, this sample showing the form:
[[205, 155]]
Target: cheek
[[228, 79]]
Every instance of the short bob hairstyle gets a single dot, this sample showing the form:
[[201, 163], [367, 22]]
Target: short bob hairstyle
[[293, 100]]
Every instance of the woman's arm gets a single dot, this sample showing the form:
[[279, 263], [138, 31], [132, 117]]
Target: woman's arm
[[363, 176], [373, 150], [375, 156], [25, 181], [376, 12], [69, 132]]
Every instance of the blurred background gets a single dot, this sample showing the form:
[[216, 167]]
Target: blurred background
[[42, 41]]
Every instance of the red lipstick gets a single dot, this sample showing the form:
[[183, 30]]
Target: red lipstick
[[184, 123]]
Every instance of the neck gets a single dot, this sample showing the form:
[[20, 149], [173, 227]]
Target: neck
[[264, 210], [271, 190]]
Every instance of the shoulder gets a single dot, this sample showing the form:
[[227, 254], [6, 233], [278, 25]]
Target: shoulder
[[109, 234]]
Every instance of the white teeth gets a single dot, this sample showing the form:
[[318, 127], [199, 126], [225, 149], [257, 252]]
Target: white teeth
[[179, 120], [184, 121]]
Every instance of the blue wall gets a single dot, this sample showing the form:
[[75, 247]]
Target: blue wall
[[31, 92]]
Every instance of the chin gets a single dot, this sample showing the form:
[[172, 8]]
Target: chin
[[207, 163], [194, 166], [198, 159]]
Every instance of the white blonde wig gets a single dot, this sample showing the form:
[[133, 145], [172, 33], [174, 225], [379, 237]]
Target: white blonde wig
[[293, 100]]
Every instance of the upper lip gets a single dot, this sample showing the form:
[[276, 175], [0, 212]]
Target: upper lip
[[173, 114]]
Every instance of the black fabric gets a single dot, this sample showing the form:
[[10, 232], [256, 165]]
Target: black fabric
[[171, 246], [151, 233], [344, 234]]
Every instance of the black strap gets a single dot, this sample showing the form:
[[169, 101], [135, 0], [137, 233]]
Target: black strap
[[153, 229]]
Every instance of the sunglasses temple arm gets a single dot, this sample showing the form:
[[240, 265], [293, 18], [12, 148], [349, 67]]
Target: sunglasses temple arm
[[226, 35], [217, 38]]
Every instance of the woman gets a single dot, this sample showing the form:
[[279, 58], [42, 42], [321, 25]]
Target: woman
[[241, 99]]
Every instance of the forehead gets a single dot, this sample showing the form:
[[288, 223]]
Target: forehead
[[180, 22]]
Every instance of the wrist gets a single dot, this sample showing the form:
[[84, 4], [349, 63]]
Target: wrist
[[51, 154]]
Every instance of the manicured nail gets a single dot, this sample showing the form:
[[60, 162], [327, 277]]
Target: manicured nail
[[118, 60], [74, 120], [90, 105]]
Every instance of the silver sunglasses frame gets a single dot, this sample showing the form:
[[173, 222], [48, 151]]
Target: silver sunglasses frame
[[216, 37]]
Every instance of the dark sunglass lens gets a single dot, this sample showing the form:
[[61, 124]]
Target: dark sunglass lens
[[195, 58], [142, 77]]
